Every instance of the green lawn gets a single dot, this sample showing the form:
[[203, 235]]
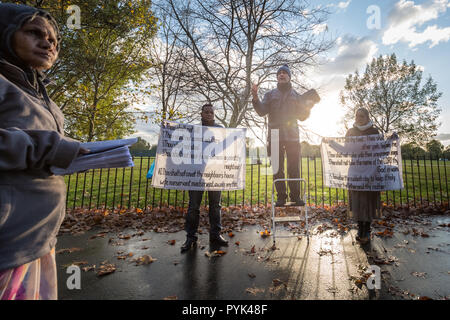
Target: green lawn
[[424, 180]]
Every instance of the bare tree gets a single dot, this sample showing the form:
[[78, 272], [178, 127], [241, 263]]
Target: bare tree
[[234, 43], [169, 69]]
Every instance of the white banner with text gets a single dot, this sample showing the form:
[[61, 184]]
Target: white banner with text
[[195, 157], [362, 163]]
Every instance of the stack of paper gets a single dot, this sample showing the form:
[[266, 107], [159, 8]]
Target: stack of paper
[[103, 154]]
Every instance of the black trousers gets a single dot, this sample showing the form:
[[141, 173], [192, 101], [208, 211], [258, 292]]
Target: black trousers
[[193, 213], [292, 151]]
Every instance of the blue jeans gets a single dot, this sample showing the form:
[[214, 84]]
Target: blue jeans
[[193, 213]]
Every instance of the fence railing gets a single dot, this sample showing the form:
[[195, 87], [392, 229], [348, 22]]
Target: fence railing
[[425, 183]]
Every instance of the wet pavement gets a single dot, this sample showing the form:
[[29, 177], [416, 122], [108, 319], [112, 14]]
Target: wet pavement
[[320, 268], [419, 266], [330, 265]]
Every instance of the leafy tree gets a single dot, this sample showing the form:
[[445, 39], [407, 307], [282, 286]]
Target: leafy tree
[[435, 149], [412, 151], [140, 146], [309, 150], [395, 98], [101, 65], [446, 153]]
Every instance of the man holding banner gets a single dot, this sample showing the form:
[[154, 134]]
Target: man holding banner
[[195, 199], [284, 106], [200, 158]]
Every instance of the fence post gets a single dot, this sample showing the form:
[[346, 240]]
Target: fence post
[[75, 192], [84, 189]]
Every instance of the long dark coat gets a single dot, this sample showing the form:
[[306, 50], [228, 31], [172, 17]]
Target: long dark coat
[[364, 205]]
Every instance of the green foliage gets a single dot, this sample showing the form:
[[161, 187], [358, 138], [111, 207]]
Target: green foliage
[[310, 150], [412, 151], [94, 81], [140, 146], [395, 97], [435, 149]]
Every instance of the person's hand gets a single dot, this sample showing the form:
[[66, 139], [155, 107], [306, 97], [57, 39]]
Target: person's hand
[[309, 104], [393, 136], [83, 151], [254, 91]]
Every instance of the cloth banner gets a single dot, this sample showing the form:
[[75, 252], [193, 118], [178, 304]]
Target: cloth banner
[[195, 157], [362, 163]]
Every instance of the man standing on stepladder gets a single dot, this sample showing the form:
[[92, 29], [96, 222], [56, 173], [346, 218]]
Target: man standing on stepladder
[[285, 106]]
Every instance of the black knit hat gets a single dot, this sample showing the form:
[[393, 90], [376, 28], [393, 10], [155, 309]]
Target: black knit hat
[[285, 68]]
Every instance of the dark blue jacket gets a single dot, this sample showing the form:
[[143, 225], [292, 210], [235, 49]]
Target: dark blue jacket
[[284, 108]]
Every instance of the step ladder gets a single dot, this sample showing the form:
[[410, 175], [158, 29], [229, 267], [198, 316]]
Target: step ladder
[[276, 220]]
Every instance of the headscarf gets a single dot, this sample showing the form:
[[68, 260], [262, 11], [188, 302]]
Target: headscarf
[[12, 18], [368, 124]]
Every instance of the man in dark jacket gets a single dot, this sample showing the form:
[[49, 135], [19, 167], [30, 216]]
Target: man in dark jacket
[[195, 199], [284, 106]]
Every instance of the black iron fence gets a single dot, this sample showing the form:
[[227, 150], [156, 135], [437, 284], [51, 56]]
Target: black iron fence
[[425, 183]]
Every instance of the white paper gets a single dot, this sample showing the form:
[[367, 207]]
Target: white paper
[[103, 154]]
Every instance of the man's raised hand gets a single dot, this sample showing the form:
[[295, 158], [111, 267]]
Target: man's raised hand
[[255, 91]]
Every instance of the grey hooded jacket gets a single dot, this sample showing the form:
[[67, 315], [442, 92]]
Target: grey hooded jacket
[[32, 200]]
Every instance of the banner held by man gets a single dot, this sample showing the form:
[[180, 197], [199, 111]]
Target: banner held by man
[[195, 157]]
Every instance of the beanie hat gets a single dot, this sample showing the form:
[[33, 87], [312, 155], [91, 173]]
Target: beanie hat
[[285, 68]]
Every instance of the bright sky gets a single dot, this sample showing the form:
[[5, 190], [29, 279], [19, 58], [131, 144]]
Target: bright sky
[[413, 30]]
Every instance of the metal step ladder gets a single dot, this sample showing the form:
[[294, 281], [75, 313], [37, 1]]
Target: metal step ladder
[[276, 220]]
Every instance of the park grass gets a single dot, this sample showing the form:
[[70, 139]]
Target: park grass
[[425, 181]]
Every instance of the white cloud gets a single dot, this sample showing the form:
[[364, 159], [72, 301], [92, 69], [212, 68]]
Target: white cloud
[[341, 5], [406, 17], [352, 54], [344, 5], [319, 28]]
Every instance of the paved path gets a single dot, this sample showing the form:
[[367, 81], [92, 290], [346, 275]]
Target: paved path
[[325, 267]]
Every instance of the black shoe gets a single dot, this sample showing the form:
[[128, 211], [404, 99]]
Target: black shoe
[[188, 244], [280, 203], [296, 203], [218, 240], [367, 230], [360, 230]]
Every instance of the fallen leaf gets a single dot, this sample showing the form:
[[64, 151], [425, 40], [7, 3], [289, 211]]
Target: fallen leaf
[[68, 250], [98, 235], [237, 243], [254, 291], [277, 282], [145, 259], [252, 275], [171, 298], [419, 274], [265, 233], [88, 268], [171, 242], [105, 269], [230, 234]]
